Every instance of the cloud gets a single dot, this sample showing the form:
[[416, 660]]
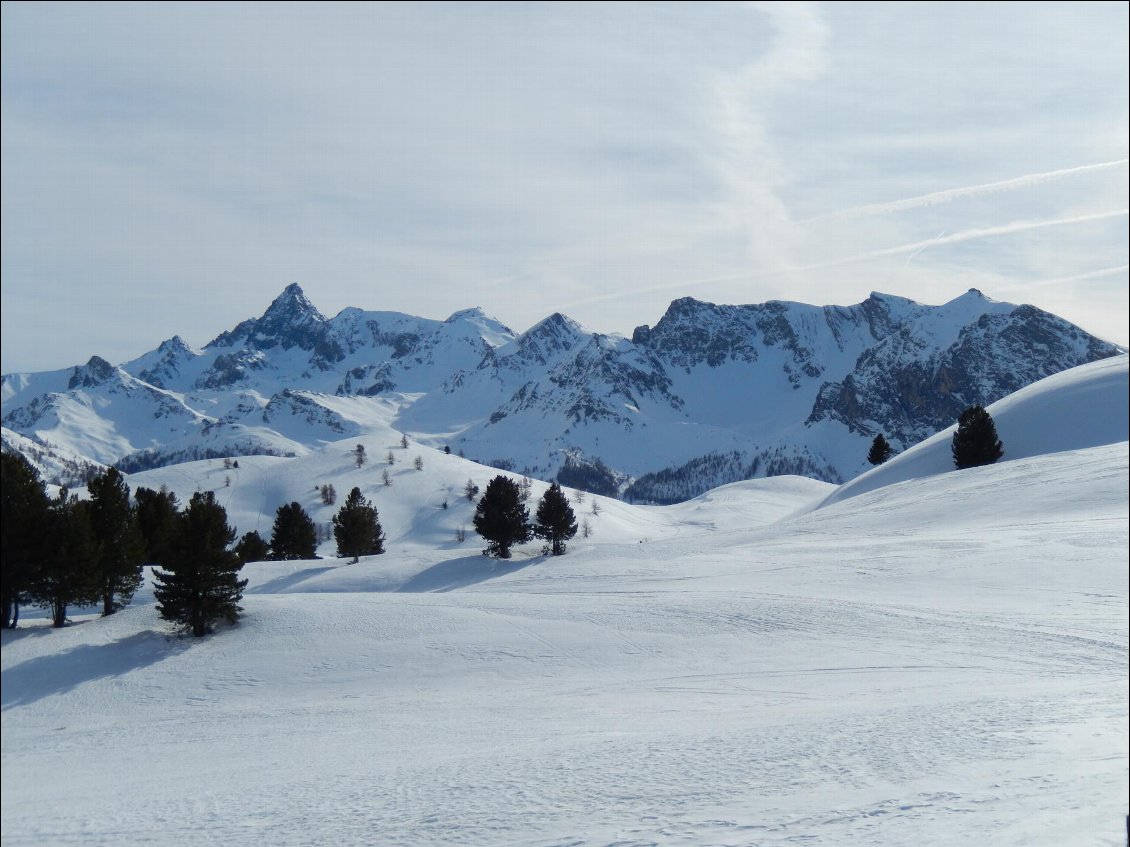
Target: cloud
[[168, 169], [936, 197]]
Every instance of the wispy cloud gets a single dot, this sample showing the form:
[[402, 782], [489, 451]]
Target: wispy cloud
[[936, 197], [169, 167], [974, 235], [1096, 274]]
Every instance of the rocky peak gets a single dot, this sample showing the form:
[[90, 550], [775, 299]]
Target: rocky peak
[[290, 321], [548, 338], [174, 346], [95, 372], [288, 312]]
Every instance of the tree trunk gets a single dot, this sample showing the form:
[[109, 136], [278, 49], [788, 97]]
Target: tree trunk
[[58, 614], [108, 604]]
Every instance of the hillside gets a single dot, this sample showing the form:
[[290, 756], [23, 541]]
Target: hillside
[[941, 660]]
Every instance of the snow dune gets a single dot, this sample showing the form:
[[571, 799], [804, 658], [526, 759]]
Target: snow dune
[[939, 660], [1082, 407]]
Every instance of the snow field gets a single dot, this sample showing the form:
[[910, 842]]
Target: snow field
[[939, 661]]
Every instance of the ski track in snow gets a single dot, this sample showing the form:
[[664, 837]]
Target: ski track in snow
[[940, 661]]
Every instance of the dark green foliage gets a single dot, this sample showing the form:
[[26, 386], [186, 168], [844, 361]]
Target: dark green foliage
[[23, 521], [294, 535], [121, 548], [201, 585], [67, 575], [555, 521], [157, 519], [880, 450], [501, 518], [357, 528], [676, 484], [252, 548], [594, 477], [975, 442]]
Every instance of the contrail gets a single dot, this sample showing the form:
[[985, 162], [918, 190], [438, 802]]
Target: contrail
[[973, 234], [1088, 275], [936, 197], [914, 247]]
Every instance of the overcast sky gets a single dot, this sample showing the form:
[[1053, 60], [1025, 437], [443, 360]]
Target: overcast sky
[[169, 169]]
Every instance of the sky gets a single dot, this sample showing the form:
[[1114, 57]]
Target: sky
[[169, 169]]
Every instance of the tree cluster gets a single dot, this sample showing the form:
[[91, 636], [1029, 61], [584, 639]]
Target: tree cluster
[[503, 520], [62, 552]]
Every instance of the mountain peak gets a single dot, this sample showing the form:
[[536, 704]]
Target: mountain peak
[[557, 326], [176, 344], [94, 372], [472, 313], [293, 306]]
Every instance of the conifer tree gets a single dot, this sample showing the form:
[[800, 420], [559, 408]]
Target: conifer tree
[[880, 450], [201, 585], [157, 516], [501, 518], [975, 442], [294, 535], [252, 547], [67, 575], [121, 549], [23, 521], [357, 528], [555, 521]]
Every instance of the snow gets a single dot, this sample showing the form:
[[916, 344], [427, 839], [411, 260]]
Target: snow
[[1066, 411], [938, 659]]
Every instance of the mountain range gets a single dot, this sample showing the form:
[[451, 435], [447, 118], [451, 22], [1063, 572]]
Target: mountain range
[[711, 394]]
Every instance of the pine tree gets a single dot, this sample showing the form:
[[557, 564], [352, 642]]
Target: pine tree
[[121, 549], [555, 520], [975, 442], [501, 518], [880, 450], [359, 455], [157, 516], [294, 535], [357, 528], [201, 584], [252, 548], [23, 521], [67, 575]]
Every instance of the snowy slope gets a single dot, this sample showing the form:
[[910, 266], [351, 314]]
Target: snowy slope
[[1083, 407], [941, 660]]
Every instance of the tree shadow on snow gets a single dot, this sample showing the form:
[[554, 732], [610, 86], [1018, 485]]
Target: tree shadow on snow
[[462, 572], [280, 584], [58, 673]]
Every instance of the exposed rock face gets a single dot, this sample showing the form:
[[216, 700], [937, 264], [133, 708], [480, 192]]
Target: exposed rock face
[[709, 394]]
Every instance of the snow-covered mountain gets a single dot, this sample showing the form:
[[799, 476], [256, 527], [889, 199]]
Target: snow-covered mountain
[[939, 659], [710, 395]]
